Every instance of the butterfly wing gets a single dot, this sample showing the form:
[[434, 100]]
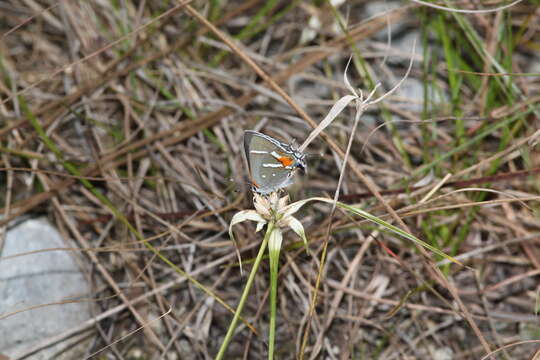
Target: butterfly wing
[[267, 173]]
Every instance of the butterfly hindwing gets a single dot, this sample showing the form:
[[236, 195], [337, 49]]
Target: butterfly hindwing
[[268, 172]]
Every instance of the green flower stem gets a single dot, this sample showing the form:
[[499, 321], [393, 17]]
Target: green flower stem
[[274, 267], [234, 322]]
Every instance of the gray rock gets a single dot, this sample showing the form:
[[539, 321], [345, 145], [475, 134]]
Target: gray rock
[[37, 279], [412, 94], [401, 49], [404, 44], [381, 8]]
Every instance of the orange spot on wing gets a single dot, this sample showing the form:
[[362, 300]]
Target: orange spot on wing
[[285, 161]]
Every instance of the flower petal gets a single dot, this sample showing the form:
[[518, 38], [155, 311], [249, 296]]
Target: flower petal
[[273, 198], [238, 218], [242, 216], [294, 207], [283, 202], [276, 238], [263, 208], [245, 215], [297, 227]]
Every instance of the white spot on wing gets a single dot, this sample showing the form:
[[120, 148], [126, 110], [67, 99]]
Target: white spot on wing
[[272, 165], [258, 152]]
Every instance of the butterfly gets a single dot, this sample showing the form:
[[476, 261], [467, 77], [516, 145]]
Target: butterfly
[[271, 163]]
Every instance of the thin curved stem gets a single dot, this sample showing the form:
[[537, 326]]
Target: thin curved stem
[[274, 267], [234, 322]]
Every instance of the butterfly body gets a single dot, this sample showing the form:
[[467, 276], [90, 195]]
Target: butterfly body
[[271, 163]]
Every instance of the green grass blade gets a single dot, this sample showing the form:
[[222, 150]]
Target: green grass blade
[[395, 230]]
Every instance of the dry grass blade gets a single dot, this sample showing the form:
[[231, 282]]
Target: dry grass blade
[[467, 11]]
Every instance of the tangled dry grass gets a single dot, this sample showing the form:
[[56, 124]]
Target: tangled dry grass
[[122, 121]]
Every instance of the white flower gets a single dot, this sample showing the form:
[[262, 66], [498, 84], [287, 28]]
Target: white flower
[[273, 209]]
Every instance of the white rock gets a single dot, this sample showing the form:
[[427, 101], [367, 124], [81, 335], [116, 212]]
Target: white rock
[[411, 93], [37, 279], [444, 353], [381, 8]]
